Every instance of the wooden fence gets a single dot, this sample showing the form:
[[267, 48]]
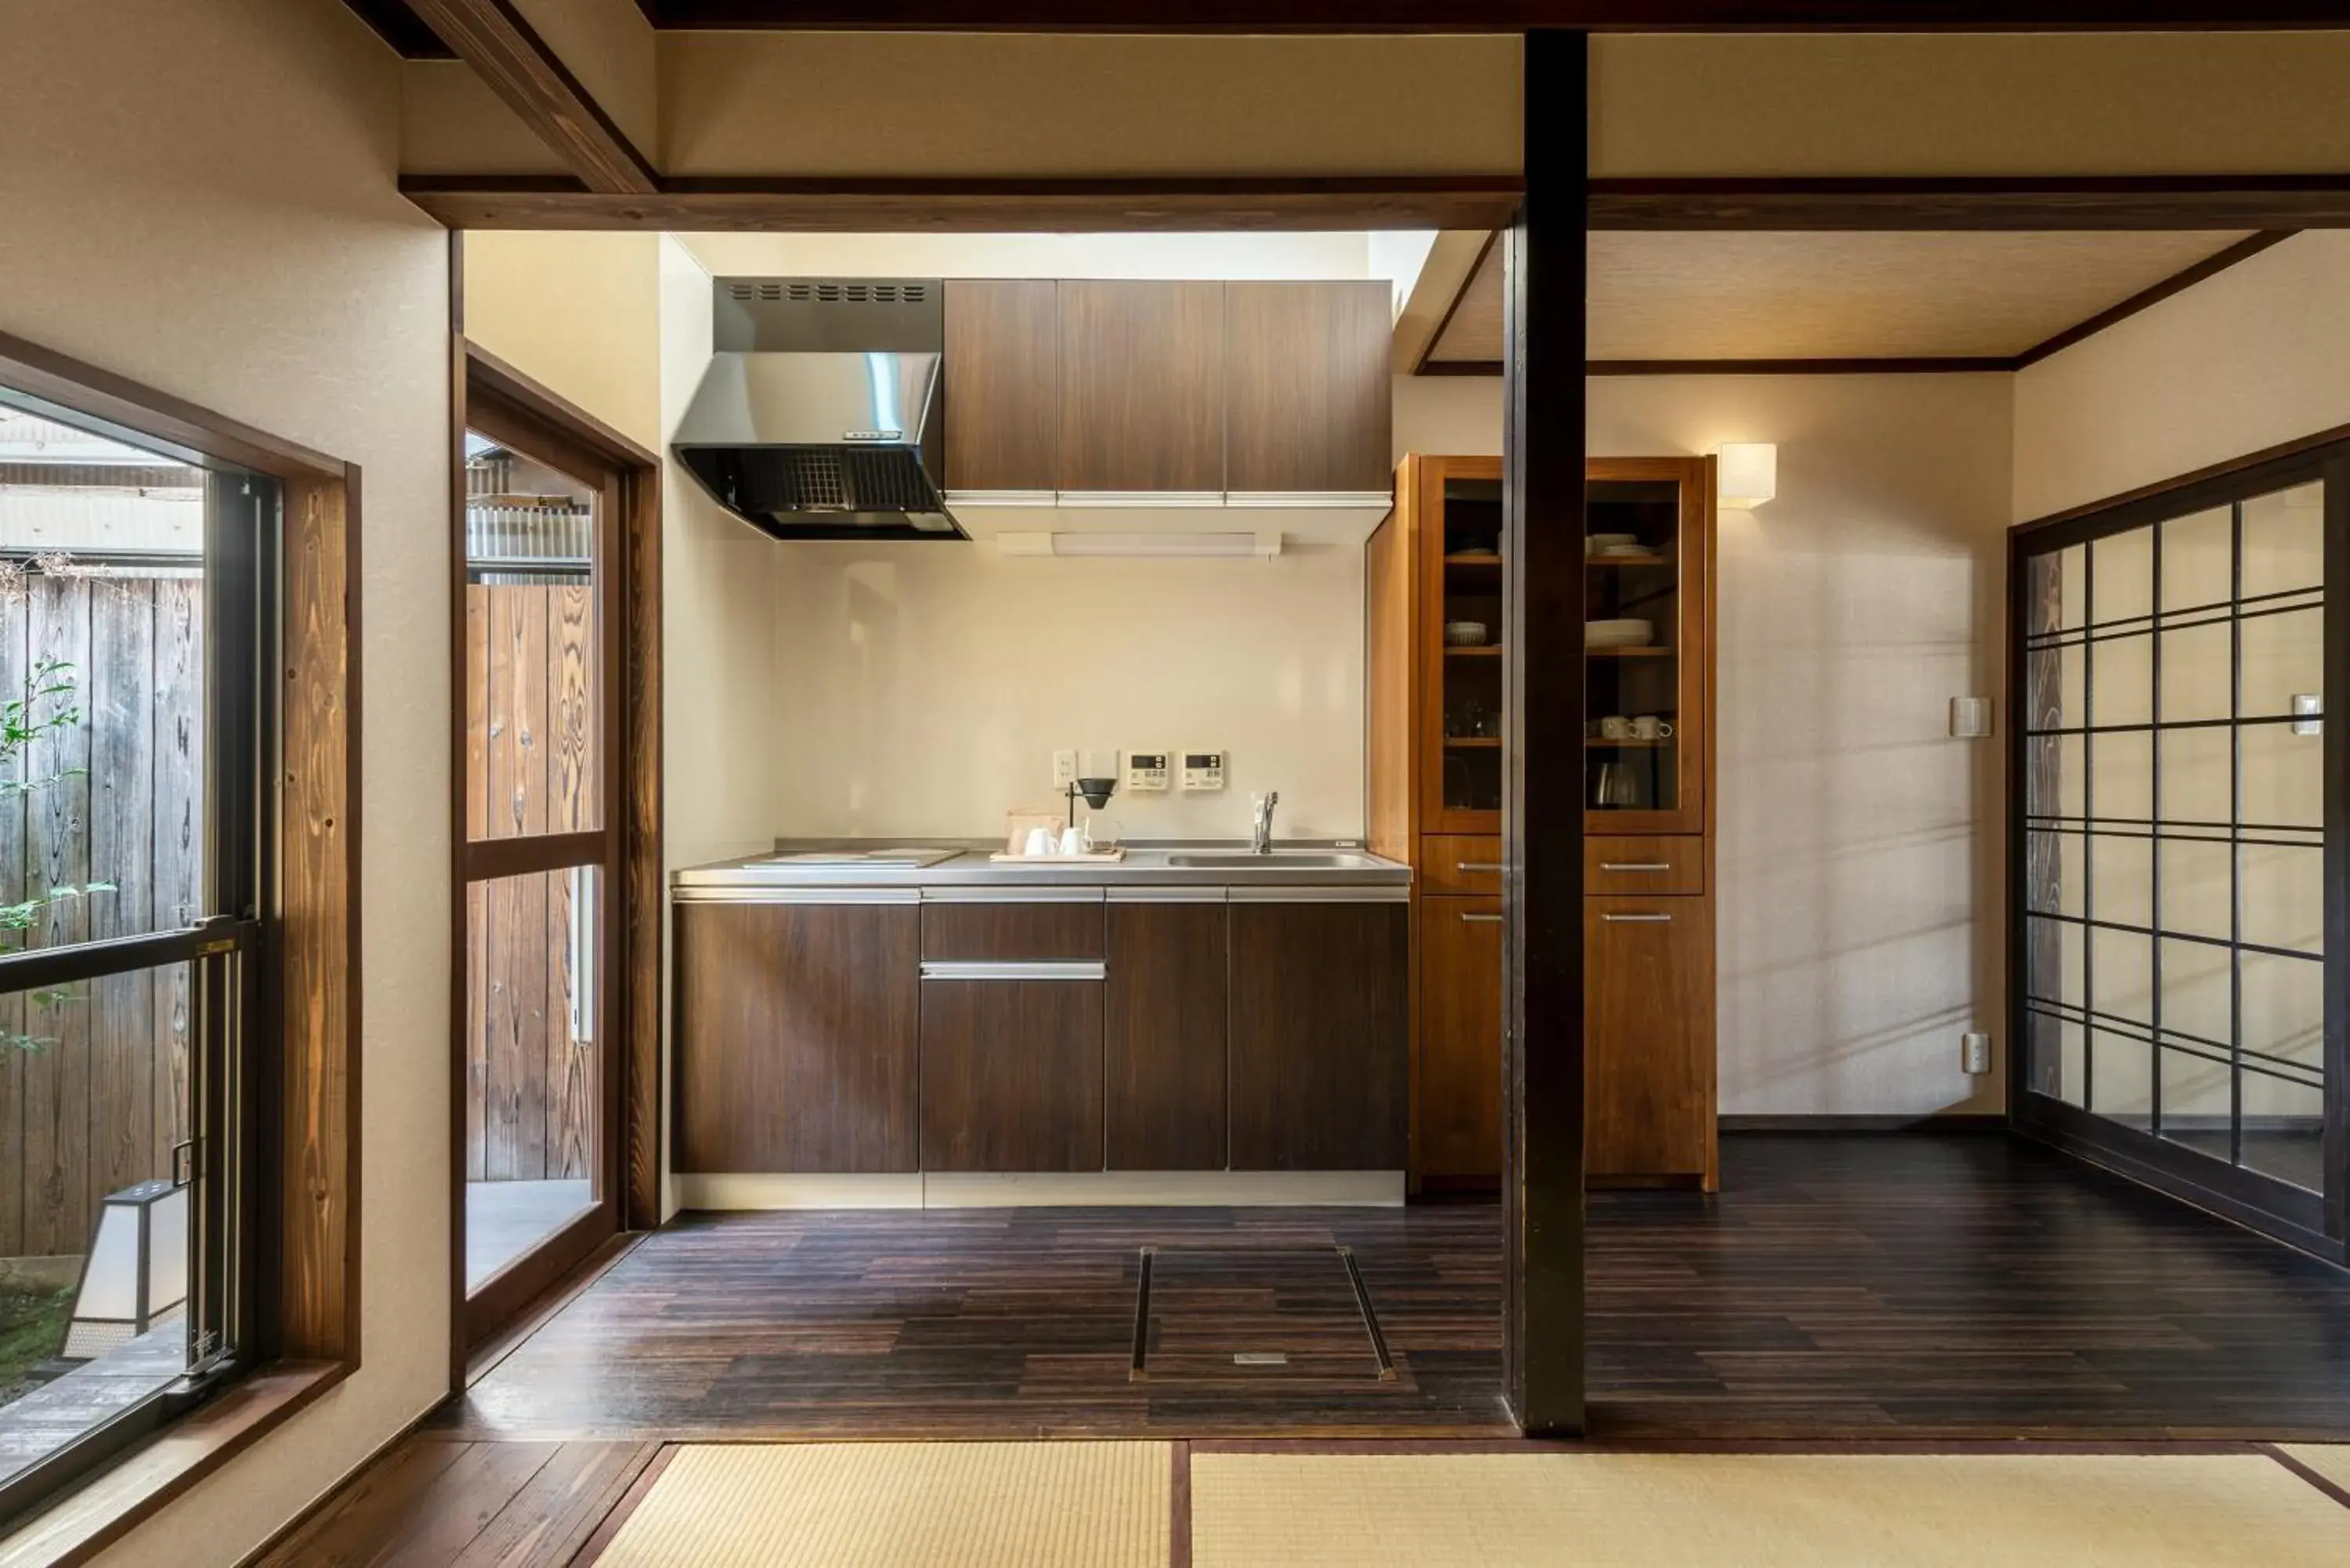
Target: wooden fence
[[101, 1101], [530, 767], [99, 1104]]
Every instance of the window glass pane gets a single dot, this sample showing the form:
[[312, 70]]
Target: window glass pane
[[532, 1033], [532, 647], [2053, 882], [101, 667], [2198, 775], [84, 1192], [2121, 680], [2198, 896], [2121, 879], [2282, 1078], [2070, 597], [2196, 565], [2198, 995], [2284, 657], [2121, 571], [2197, 672], [2198, 1101], [2122, 778], [2053, 776], [2284, 776], [2058, 677], [2284, 541], [2284, 896], [2122, 1080], [2121, 977], [2056, 951]]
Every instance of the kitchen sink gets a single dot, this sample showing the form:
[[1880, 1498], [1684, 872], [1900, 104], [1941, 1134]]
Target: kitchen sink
[[1279, 860]]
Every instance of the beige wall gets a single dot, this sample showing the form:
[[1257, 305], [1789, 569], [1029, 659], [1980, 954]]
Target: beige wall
[[1859, 882], [579, 312], [200, 197], [2257, 356]]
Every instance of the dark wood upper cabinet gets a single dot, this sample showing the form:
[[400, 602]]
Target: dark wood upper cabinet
[[1165, 1062], [796, 1030], [1003, 384], [1307, 390], [1011, 1075], [1142, 386], [1319, 1004]]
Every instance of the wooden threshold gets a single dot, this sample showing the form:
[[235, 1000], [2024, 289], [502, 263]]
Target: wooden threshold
[[541, 1309], [102, 1511]]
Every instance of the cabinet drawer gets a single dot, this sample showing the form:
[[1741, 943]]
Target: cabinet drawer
[[1460, 863], [1014, 932], [1643, 866]]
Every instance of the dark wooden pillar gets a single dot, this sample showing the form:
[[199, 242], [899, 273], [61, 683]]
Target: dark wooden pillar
[[1541, 798]]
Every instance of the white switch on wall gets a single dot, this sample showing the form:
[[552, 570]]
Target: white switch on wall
[[1969, 718]]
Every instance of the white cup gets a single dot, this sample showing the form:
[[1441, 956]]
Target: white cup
[[1040, 842], [1648, 727], [1075, 841], [1616, 727]]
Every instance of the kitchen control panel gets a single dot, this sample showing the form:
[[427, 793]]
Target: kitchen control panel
[[1202, 770], [1146, 773]]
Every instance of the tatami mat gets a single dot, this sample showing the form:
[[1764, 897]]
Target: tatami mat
[[2331, 1460], [1646, 1511], [897, 1505]]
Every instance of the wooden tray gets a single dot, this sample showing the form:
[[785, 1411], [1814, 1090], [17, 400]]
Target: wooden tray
[[1095, 858]]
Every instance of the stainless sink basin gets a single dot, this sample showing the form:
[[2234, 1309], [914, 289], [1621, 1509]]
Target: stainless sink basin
[[1279, 860]]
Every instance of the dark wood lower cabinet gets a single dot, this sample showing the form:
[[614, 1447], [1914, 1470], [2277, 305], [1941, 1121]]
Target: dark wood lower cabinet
[[796, 1031], [1166, 1085], [1460, 1098], [1011, 1075], [1318, 1005], [1648, 1024]]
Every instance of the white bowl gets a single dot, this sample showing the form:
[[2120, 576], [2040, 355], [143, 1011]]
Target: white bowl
[[1600, 544], [1618, 633], [1465, 633]]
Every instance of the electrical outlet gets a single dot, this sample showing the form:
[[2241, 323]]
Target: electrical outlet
[[1065, 769], [1974, 1055]]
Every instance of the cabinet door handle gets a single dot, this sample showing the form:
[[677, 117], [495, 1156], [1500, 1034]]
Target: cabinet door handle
[[1636, 865], [1636, 920], [1483, 919], [1478, 865]]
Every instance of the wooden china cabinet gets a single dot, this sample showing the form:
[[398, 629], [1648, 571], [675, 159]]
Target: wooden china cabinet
[[1437, 627]]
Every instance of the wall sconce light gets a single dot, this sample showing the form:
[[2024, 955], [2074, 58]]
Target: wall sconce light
[[137, 1271], [1748, 474]]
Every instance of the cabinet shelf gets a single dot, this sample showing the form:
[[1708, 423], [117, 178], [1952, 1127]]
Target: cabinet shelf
[[1472, 740], [1473, 558], [1482, 650], [1612, 561], [1630, 743], [1628, 652]]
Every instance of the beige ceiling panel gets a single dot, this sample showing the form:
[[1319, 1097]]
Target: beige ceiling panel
[[1072, 106], [608, 45], [451, 124], [1687, 105], [1841, 295]]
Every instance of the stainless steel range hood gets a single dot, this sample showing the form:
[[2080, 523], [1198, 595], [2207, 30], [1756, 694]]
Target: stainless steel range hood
[[819, 416]]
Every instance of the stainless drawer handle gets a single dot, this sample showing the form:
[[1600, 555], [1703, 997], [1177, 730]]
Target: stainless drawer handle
[[1478, 865], [1636, 865], [1636, 920], [1013, 969], [1483, 919]]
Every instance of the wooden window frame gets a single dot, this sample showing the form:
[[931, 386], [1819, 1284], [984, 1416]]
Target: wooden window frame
[[629, 1122], [309, 1146]]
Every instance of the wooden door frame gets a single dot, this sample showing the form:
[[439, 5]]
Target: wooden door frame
[[627, 1073]]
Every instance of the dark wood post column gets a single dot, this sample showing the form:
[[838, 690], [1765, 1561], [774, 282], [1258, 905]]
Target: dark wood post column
[[1541, 797]]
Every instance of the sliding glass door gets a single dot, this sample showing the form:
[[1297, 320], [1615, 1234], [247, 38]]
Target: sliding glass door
[[2180, 838], [540, 737]]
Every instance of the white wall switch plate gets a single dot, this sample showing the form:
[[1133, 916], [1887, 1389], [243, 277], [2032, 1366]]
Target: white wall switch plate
[[2308, 713], [1146, 773], [1065, 769], [1969, 718], [1203, 769], [1974, 1055]]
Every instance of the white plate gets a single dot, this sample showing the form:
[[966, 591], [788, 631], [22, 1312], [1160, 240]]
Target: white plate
[[1618, 633]]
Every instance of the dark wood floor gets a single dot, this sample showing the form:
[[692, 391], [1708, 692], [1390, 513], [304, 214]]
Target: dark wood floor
[[1902, 1290]]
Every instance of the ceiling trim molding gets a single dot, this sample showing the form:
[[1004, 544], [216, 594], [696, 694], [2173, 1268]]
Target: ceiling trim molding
[[1488, 16], [1998, 203], [856, 205], [2177, 283], [515, 63]]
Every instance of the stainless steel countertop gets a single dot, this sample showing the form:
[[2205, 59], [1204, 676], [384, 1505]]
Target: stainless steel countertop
[[1149, 866]]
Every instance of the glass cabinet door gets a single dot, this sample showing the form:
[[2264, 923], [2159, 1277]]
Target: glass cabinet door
[[1469, 635], [1646, 557]]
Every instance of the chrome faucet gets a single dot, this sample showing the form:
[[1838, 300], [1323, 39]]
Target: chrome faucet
[[1261, 829]]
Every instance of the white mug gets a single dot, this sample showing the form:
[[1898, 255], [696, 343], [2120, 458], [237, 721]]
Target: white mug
[[1648, 727], [1614, 727], [1076, 841], [1040, 842]]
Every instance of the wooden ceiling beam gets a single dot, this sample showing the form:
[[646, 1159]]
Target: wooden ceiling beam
[[973, 206], [515, 63], [1993, 202], [1490, 15]]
